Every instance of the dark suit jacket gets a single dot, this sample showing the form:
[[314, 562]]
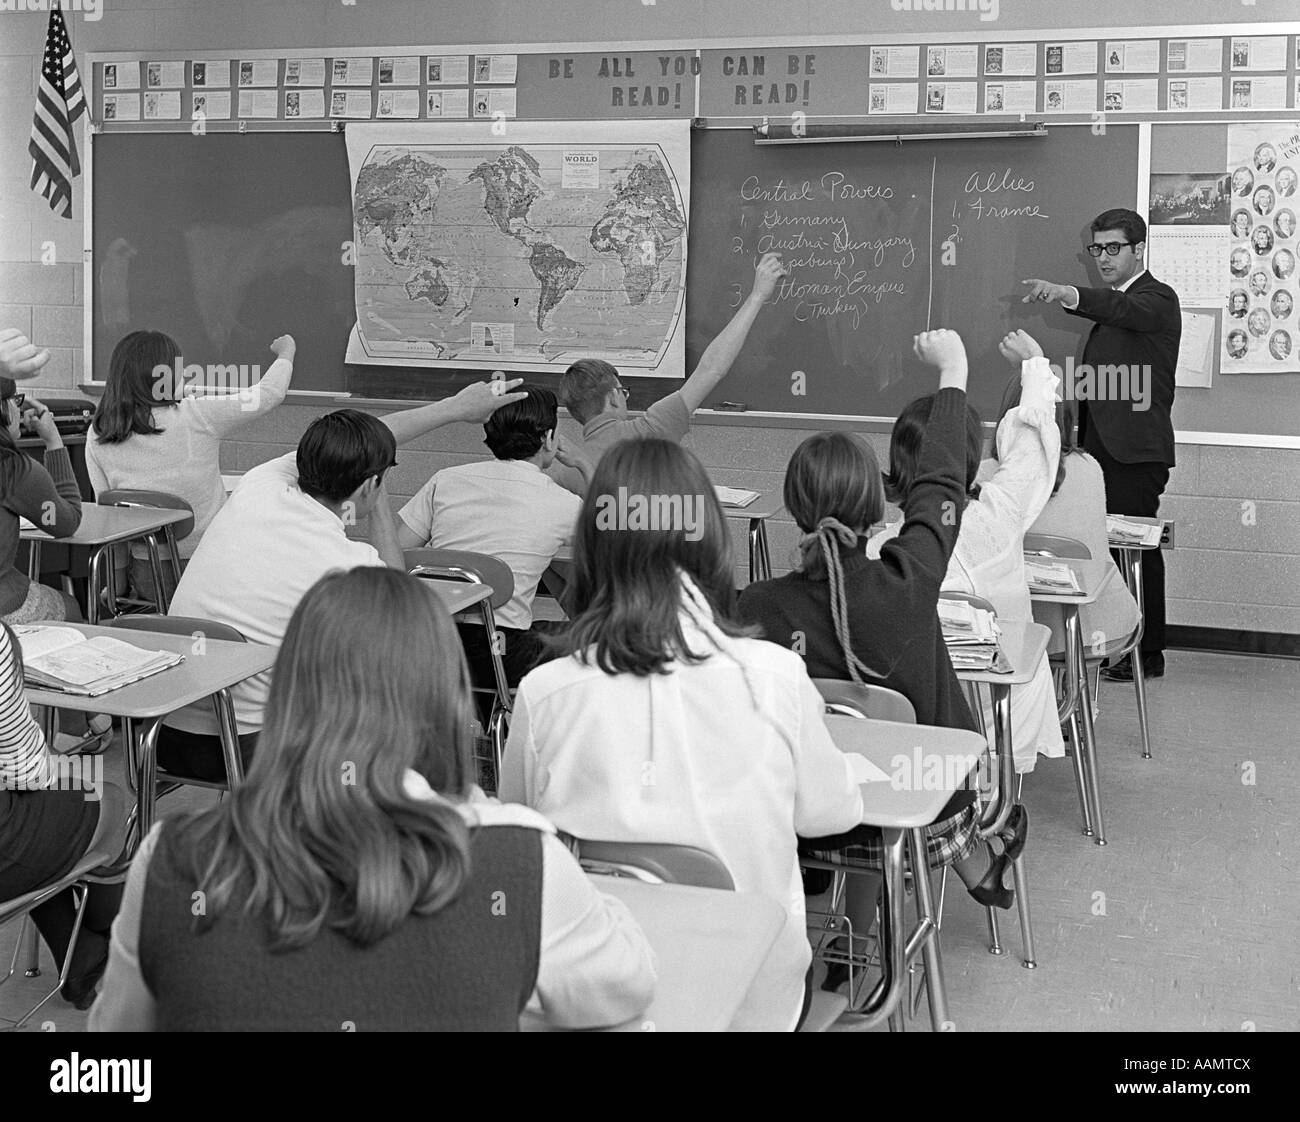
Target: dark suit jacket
[[1137, 328]]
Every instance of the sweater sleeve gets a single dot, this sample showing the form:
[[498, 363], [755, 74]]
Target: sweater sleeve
[[48, 496], [125, 1003], [1029, 444], [25, 762], [221, 412], [933, 506]]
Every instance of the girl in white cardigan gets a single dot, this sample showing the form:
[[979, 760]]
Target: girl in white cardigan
[[989, 558], [155, 432], [664, 722]]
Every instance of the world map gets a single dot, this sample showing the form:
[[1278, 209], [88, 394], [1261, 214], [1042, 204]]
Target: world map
[[524, 254]]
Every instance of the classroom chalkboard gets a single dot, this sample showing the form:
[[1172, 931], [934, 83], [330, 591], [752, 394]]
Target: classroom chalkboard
[[886, 240], [227, 240]]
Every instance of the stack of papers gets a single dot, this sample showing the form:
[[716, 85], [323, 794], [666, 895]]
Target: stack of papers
[[971, 635], [62, 659], [1051, 577], [734, 496], [1123, 532]]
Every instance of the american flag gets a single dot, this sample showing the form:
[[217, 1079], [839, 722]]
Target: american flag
[[59, 102]]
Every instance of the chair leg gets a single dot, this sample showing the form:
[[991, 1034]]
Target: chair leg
[[1140, 689], [995, 943], [930, 952], [82, 893], [1022, 906], [1080, 781], [29, 940]]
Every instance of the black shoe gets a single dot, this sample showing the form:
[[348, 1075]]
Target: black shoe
[[1013, 833], [80, 990], [989, 891], [1153, 666]]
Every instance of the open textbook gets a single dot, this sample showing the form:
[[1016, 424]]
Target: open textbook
[[63, 659]]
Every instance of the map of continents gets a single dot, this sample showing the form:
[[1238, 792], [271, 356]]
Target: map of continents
[[464, 252]]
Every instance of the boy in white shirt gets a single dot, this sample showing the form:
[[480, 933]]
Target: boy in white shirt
[[284, 528], [508, 508]]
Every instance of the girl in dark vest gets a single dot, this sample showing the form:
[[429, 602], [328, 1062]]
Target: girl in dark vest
[[357, 879]]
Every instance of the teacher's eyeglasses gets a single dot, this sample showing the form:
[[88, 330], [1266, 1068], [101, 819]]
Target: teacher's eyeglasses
[[1112, 248]]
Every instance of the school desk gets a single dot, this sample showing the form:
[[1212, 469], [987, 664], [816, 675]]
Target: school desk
[[210, 668], [1129, 555], [709, 945], [1023, 645], [926, 765], [103, 527], [1092, 577], [457, 596], [757, 513]]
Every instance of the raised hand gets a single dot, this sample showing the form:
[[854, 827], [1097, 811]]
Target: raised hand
[[767, 274], [1019, 346], [284, 347], [942, 348], [477, 402], [572, 456], [18, 357]]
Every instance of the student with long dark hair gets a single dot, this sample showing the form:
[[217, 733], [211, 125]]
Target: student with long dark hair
[[664, 721], [155, 431], [875, 621], [46, 495], [358, 852]]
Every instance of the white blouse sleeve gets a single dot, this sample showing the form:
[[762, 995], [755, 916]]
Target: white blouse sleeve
[[1029, 444]]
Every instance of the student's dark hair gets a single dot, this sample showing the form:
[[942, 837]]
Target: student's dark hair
[[585, 386], [13, 460], [134, 390], [626, 593], [1130, 222], [340, 451], [516, 431], [1067, 422], [833, 490], [322, 835], [905, 448]]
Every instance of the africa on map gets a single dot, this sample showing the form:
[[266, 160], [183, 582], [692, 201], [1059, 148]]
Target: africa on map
[[524, 251]]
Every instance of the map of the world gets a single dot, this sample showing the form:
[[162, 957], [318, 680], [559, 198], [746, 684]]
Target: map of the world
[[522, 251]]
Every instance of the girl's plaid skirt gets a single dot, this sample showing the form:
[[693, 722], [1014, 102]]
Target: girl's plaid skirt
[[946, 841]]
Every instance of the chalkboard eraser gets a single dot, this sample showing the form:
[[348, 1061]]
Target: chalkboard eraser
[[731, 406]]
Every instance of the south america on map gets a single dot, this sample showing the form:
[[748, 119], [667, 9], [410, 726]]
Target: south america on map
[[526, 251]]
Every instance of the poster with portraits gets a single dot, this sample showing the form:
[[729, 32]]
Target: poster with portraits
[[1260, 333]]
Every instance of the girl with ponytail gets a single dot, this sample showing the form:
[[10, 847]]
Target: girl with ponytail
[[876, 621]]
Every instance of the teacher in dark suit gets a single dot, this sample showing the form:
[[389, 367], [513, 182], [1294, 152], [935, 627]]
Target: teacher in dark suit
[[1137, 324]]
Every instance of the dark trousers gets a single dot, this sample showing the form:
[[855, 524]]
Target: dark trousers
[[1136, 489], [198, 756], [522, 651], [43, 834]]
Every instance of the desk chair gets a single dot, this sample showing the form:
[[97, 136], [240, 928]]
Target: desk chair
[[477, 568], [867, 701], [106, 861], [161, 782], [1054, 545], [993, 813], [171, 534]]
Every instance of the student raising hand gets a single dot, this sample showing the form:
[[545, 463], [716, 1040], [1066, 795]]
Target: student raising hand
[[943, 348], [19, 358], [477, 402], [1019, 346]]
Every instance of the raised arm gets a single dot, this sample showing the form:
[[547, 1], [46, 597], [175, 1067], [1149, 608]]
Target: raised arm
[[473, 405], [721, 353], [1028, 439], [19, 358], [222, 412], [933, 506]]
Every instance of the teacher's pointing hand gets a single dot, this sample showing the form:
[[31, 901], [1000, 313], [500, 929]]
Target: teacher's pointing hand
[[1045, 292]]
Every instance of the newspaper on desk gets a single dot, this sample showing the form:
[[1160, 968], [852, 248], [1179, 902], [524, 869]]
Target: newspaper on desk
[[1120, 531], [971, 636]]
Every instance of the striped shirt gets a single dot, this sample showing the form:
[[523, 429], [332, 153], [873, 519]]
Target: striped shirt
[[25, 761]]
